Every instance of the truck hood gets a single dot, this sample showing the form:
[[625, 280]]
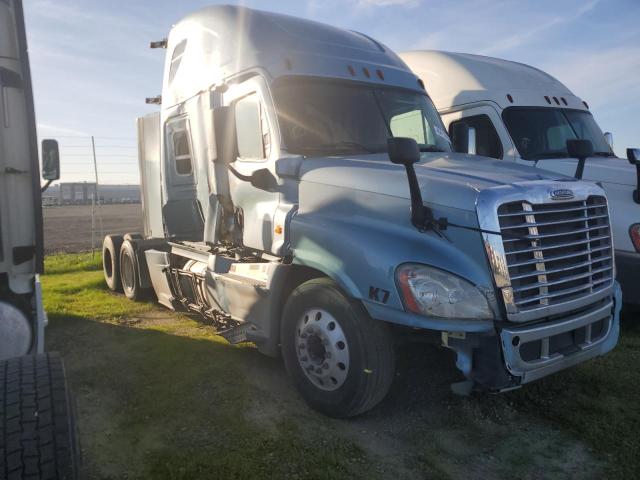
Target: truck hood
[[448, 179], [596, 169]]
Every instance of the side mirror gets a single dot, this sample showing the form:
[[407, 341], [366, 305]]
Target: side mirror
[[264, 180], [225, 135], [460, 137], [403, 151], [608, 137], [580, 149], [50, 160], [633, 155]]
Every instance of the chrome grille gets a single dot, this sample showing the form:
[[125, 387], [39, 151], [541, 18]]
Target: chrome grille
[[556, 252]]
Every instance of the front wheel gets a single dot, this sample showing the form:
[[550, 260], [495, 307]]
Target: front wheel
[[341, 360], [37, 425]]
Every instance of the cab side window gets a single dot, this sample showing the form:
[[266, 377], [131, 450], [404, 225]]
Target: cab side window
[[180, 144], [252, 129], [487, 140]]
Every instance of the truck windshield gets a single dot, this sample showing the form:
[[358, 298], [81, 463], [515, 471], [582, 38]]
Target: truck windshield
[[327, 117], [540, 133]]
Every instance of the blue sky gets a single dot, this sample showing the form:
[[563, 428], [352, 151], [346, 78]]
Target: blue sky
[[92, 67]]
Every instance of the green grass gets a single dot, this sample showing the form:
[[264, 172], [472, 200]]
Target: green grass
[[160, 396]]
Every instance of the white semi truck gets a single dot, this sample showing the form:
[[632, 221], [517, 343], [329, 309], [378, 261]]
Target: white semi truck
[[300, 192], [37, 434], [518, 113]]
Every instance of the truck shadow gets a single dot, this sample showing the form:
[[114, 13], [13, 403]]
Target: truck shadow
[[160, 393]]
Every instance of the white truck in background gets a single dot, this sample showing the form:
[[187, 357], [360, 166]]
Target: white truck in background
[[37, 435], [514, 112]]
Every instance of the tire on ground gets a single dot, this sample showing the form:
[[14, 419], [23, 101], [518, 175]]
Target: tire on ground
[[129, 273], [370, 346], [111, 261], [37, 420]]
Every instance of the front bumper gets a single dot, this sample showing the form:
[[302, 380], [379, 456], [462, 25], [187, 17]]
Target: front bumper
[[628, 274], [516, 355], [533, 352]]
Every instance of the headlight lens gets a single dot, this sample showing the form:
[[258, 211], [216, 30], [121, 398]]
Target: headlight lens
[[436, 293]]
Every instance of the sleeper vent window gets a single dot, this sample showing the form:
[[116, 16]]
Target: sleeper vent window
[[178, 53], [182, 151]]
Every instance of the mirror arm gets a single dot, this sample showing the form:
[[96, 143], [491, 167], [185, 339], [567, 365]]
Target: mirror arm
[[419, 213], [580, 168], [46, 185]]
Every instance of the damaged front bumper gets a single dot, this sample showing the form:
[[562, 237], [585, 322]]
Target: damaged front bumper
[[516, 355]]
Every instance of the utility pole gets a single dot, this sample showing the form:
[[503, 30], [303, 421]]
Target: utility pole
[[96, 196]]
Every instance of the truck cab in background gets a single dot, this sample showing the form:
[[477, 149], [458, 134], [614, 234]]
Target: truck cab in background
[[300, 192], [517, 113], [38, 433]]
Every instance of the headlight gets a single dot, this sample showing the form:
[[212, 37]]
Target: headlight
[[436, 293]]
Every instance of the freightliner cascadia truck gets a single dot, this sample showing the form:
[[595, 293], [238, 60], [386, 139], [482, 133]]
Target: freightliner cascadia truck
[[37, 435], [300, 192], [518, 113]]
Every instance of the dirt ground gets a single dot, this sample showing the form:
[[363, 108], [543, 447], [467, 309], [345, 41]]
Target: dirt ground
[[68, 229], [160, 396]]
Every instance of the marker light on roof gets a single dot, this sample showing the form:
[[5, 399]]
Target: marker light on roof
[[380, 74], [564, 100], [510, 98], [585, 104], [352, 70], [555, 99], [546, 97], [365, 70]]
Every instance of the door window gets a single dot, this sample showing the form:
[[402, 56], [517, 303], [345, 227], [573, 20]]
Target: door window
[[487, 140], [252, 129]]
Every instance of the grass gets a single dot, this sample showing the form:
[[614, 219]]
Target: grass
[[160, 396]]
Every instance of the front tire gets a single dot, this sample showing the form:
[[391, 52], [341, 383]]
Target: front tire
[[341, 360], [36, 420]]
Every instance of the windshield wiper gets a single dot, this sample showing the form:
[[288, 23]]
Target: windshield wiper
[[351, 144], [603, 154], [548, 155], [430, 148]]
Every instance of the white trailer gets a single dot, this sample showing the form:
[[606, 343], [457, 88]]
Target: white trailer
[[521, 114]]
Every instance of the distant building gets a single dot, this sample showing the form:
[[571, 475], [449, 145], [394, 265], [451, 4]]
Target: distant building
[[82, 193]]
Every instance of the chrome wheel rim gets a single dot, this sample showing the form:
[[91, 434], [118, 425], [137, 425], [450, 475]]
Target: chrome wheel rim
[[322, 349], [128, 275]]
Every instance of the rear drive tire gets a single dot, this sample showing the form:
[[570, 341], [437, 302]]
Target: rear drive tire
[[341, 360], [37, 420], [111, 261], [133, 236], [129, 273]]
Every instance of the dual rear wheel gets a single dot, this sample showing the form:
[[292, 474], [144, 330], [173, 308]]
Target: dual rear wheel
[[120, 265]]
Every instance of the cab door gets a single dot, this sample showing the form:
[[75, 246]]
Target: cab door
[[255, 131], [181, 211]]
